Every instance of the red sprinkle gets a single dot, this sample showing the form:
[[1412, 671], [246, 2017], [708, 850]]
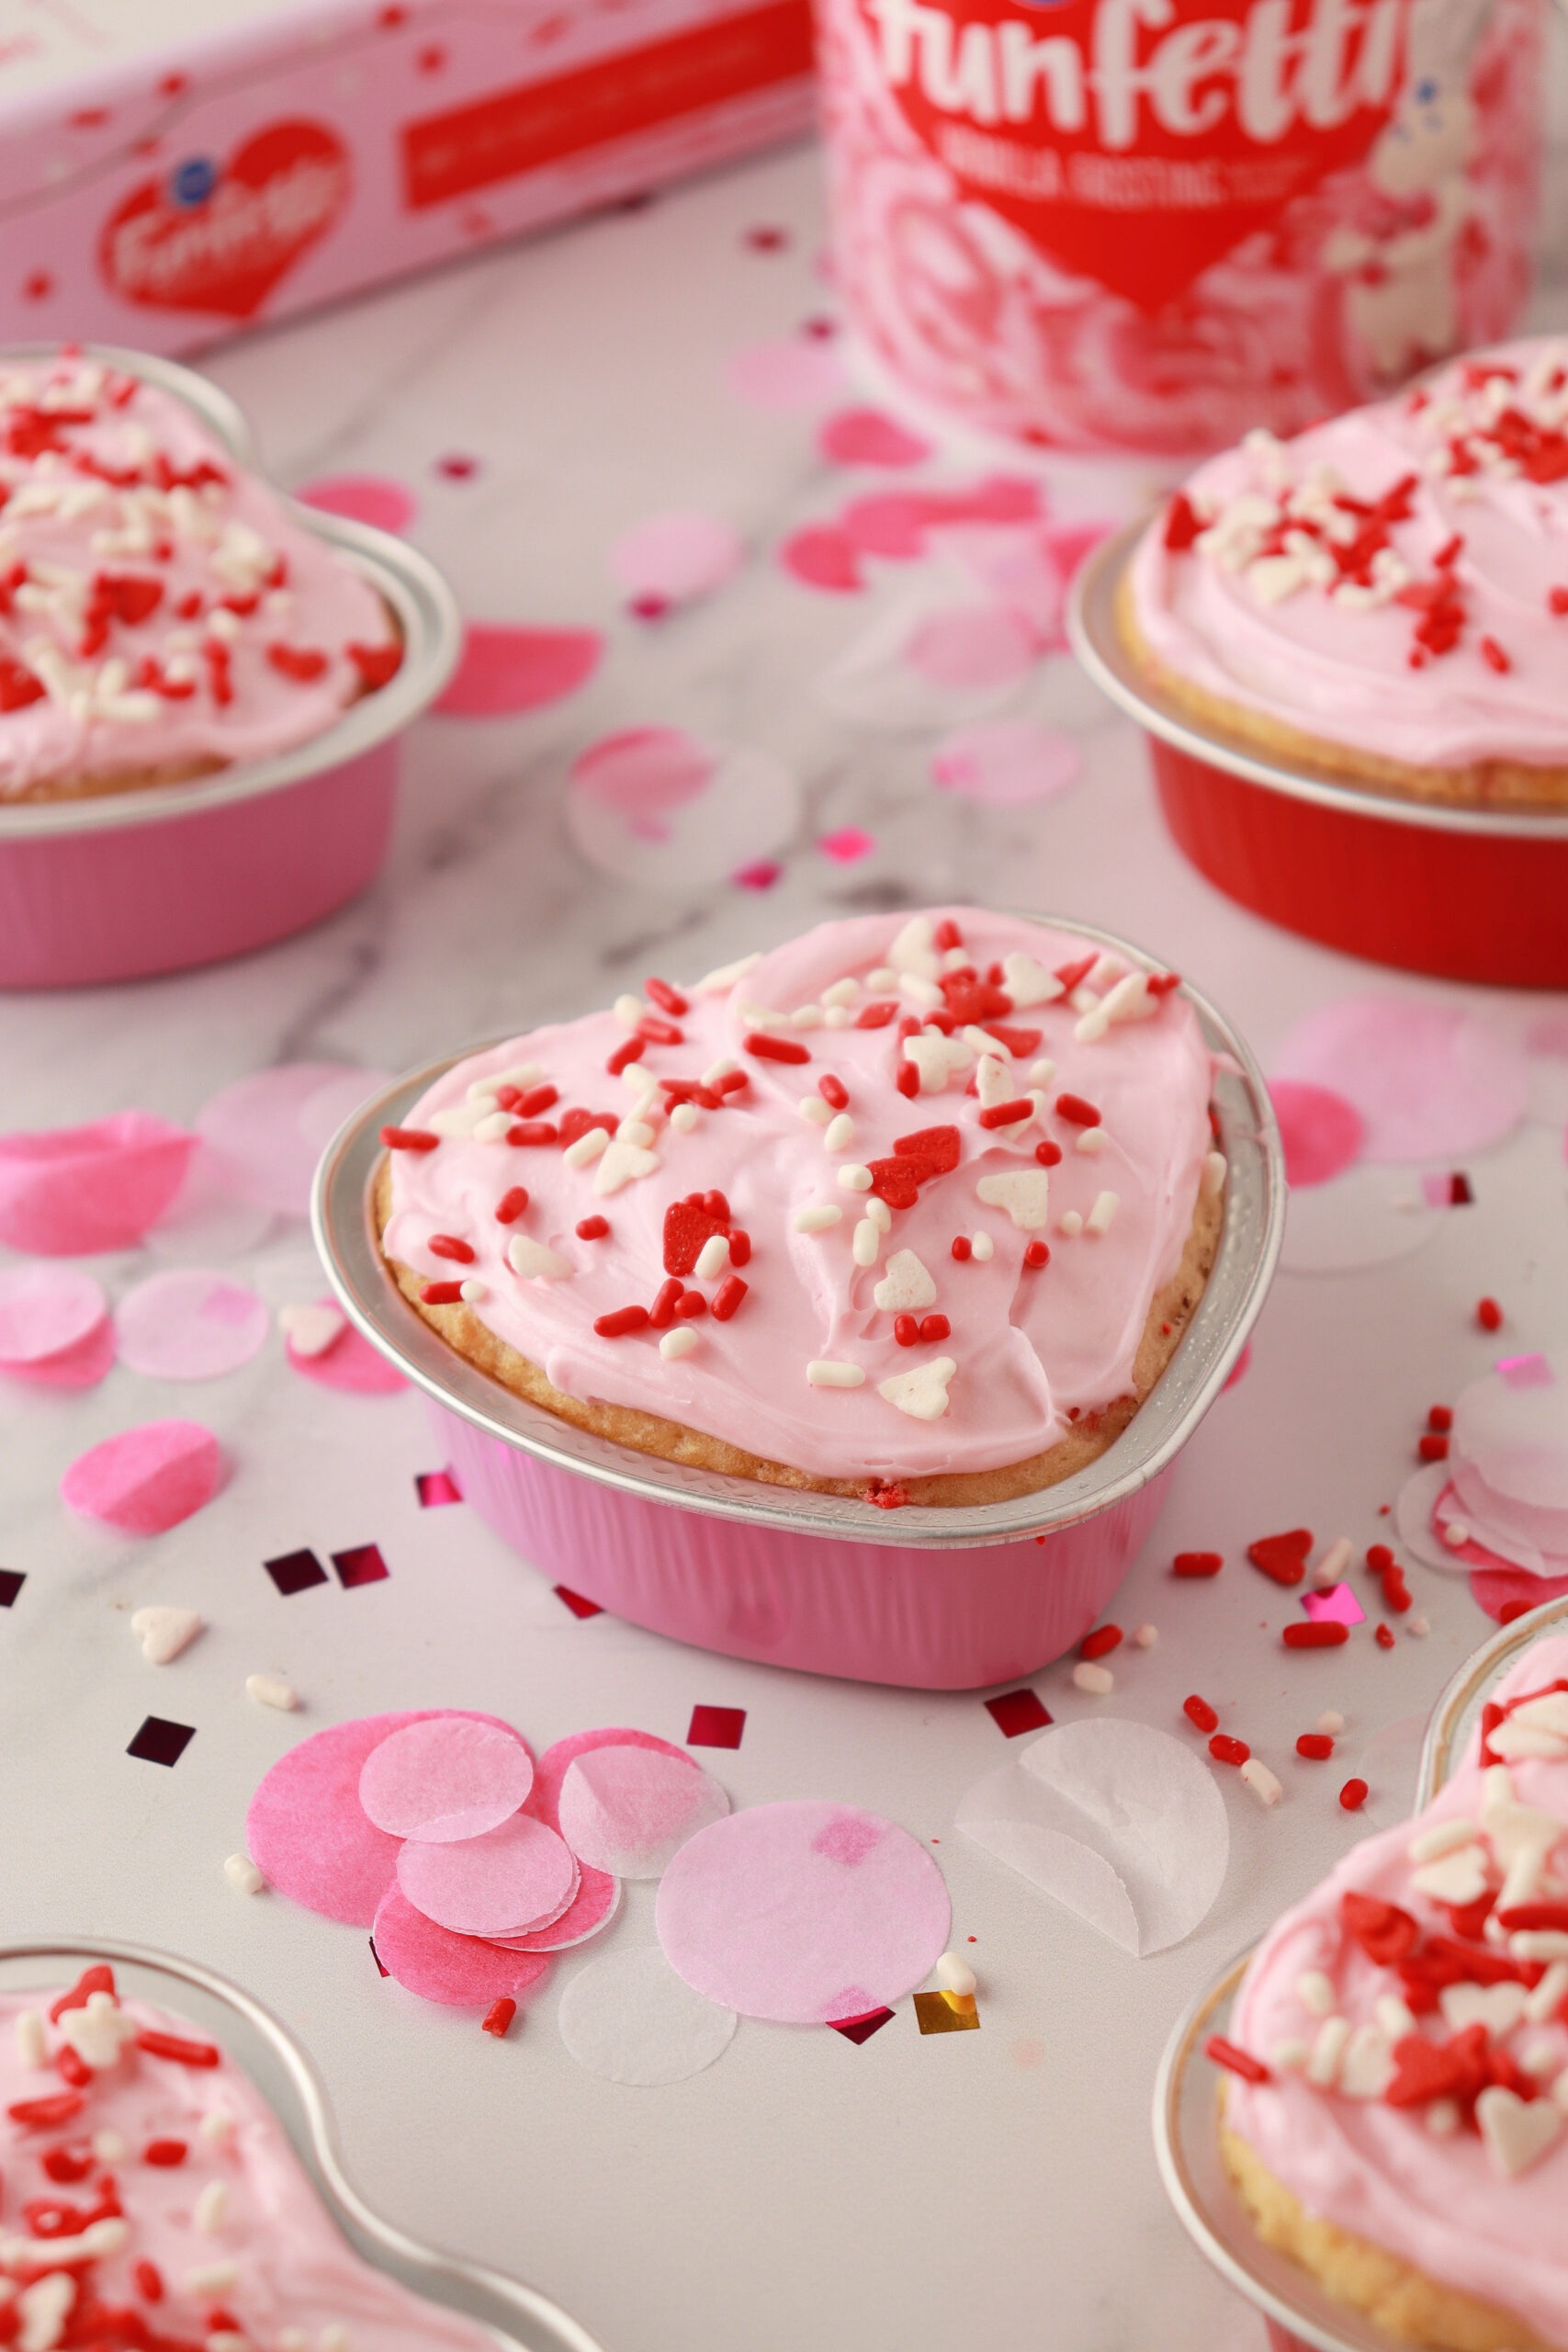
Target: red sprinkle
[[1493, 656], [1077, 1112], [962, 1247], [876, 1016], [1489, 1315], [667, 999], [1440, 1416], [1037, 1253], [588, 1228], [693, 1304], [1006, 1114], [739, 1247], [654, 1032], [1353, 1795], [1433, 1448], [1048, 1154], [626, 1053], [935, 1328], [1197, 1564], [149, 2282], [1380, 1559], [907, 1080], [409, 1140], [1226, 1750], [1512, 1609], [538, 1098], [1238, 2062], [666, 1300], [1102, 1642], [1395, 1592], [1384, 1638], [774, 1049], [449, 1245], [510, 1205], [906, 1330], [98, 1978], [171, 2046], [45, 2114], [499, 2014], [1557, 601], [165, 2152], [71, 2069], [946, 935], [534, 1131], [833, 1089], [727, 1298], [620, 1320], [1317, 1634], [1315, 1745], [1182, 524], [1198, 1711], [441, 1294]]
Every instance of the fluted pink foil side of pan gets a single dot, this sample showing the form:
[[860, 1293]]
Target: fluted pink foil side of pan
[[120, 902], [936, 1620]]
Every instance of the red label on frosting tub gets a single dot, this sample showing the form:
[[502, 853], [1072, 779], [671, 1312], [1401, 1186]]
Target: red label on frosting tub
[[218, 236], [1136, 140]]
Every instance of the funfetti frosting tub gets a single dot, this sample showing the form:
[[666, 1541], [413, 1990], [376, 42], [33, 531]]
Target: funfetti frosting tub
[[202, 684], [1347, 654], [172, 2172], [877, 1572], [1356, 2150]]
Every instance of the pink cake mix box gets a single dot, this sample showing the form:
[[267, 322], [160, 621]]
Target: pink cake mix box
[[175, 170]]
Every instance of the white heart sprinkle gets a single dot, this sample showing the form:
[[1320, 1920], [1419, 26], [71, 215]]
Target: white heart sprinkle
[[528, 1258], [906, 1285], [1029, 982], [1515, 2133], [923, 1393], [1499, 2008], [913, 951], [624, 1163], [1458, 1877], [938, 1058], [311, 1330], [1024, 1193], [165, 1633]]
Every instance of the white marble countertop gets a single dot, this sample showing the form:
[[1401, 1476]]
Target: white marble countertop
[[911, 2194]]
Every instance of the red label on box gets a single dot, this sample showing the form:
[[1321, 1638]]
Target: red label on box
[[502, 137], [218, 236], [1137, 141]]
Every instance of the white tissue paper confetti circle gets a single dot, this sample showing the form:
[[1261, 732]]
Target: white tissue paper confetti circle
[[1115, 1820], [629, 2017]]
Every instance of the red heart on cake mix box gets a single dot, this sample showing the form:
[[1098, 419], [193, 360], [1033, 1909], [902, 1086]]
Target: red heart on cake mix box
[[1135, 144], [211, 237]]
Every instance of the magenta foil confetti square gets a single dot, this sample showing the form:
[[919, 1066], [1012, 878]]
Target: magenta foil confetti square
[[576, 1603], [715, 1727], [11, 1582], [436, 1487], [1017, 1712], [361, 1564], [1526, 1372], [1338, 1606], [160, 1742], [1448, 1191], [295, 1572], [860, 2029]]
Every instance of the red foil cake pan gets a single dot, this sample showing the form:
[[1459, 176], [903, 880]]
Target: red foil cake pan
[[121, 885], [937, 1598], [1466, 894]]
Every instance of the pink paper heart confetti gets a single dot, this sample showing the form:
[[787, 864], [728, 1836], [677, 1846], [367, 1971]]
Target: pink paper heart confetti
[[68, 1191], [458, 1972], [146, 1480], [507, 669], [187, 1324]]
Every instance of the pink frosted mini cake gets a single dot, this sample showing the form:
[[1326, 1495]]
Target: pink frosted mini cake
[[1385, 596], [162, 612], [1396, 2116], [920, 1203], [153, 2203]]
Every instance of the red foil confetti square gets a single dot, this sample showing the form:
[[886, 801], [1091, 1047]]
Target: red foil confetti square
[[436, 1487], [160, 1742], [11, 1582], [860, 2029], [715, 1727], [1017, 1712], [576, 1603], [375, 1956], [295, 1572], [361, 1565]]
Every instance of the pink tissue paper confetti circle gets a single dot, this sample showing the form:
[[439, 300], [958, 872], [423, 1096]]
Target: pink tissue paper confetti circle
[[307, 1831], [792, 373], [83, 1366], [973, 645], [517, 1877], [629, 1810], [1006, 762], [189, 1324], [1430, 1081], [822, 555], [68, 1192], [863, 437], [460, 1972], [349, 1364], [256, 1130], [803, 1912], [1494, 1588], [1322, 1132], [148, 1479], [364, 498], [644, 774], [592, 1908], [445, 1780], [677, 556], [549, 1773], [44, 1311], [506, 669]]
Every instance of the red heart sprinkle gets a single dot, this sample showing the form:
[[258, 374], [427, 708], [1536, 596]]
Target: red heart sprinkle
[[1283, 1558]]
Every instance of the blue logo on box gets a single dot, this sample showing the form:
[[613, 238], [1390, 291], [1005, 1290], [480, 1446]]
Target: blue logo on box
[[193, 181]]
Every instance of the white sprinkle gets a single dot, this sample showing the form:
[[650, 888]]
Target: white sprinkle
[[1540, 2059], [1394, 2019], [271, 1690], [806, 1016], [44, 2308], [1542, 2004], [880, 1214], [865, 1243], [814, 1108], [1334, 1563], [716, 1070], [1539, 1943], [530, 1259], [1418, 1625], [982, 1247], [955, 1975], [213, 2279], [332, 2339], [1214, 1172], [1456, 1534], [217, 2125], [678, 1342], [226, 2339], [882, 979], [717, 982], [110, 2147], [1090, 1140], [212, 2208], [817, 1218], [1332, 1722], [923, 1393], [32, 2042], [1315, 1991], [1104, 1209], [1040, 1073], [836, 1017], [471, 1292], [587, 1148], [685, 1118], [494, 1127], [223, 625], [637, 1131], [1071, 1224], [623, 1163], [823, 1373], [1443, 1837], [1442, 2118], [1096, 1679], [855, 1179], [629, 1010], [841, 993], [165, 1633], [243, 1874], [1265, 1787], [1144, 1637], [840, 1133], [1288, 2057], [1326, 2051], [713, 1258], [638, 1078]]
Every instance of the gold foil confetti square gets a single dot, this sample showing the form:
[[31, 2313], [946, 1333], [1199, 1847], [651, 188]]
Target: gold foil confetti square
[[947, 2012]]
